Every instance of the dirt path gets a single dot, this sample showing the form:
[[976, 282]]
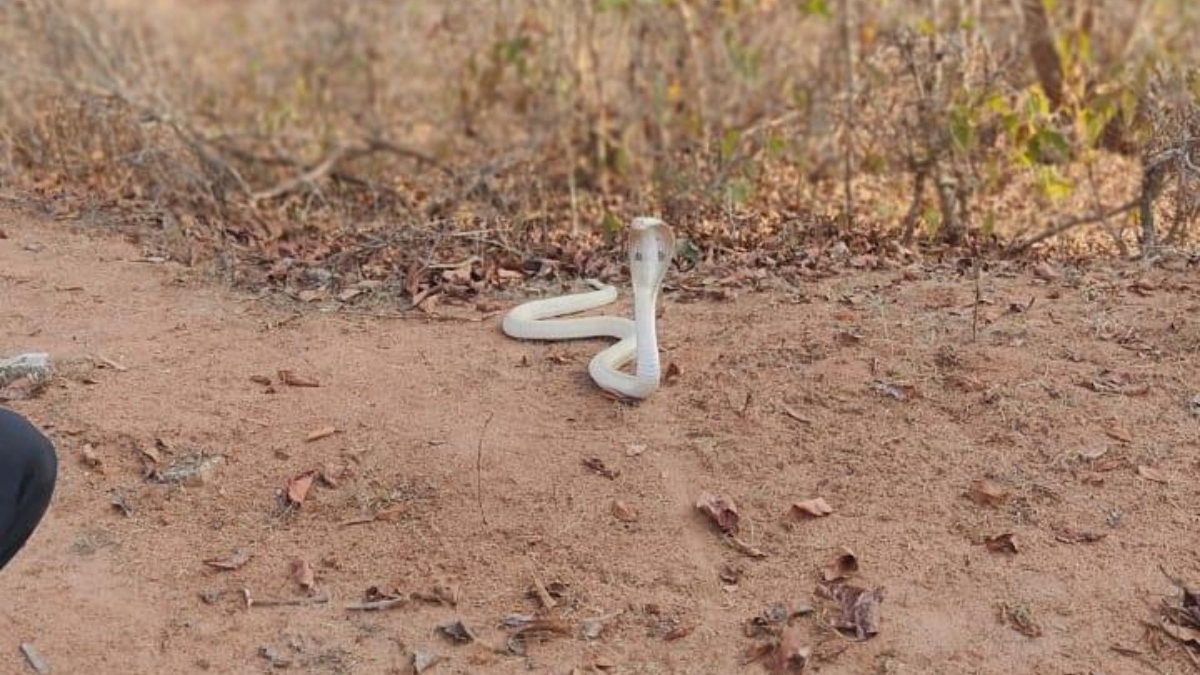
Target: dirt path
[[899, 413]]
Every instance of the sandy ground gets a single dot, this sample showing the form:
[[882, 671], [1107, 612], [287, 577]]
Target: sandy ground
[[865, 389]]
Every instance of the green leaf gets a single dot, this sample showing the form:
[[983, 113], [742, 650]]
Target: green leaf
[[738, 191], [988, 229], [776, 145], [1052, 183], [962, 130], [816, 7], [611, 226], [729, 143]]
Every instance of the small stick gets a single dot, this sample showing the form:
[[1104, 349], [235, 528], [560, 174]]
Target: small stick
[[377, 605], [282, 602], [35, 659], [479, 469], [110, 363], [978, 292]]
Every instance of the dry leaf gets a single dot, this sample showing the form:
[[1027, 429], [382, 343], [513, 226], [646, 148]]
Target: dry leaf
[[681, 631], [744, 547], [391, 514], [596, 464], [1045, 271], [810, 508], [1118, 432], [349, 294], [672, 373], [333, 474], [318, 434], [302, 574], [1069, 536], [1152, 474], [721, 510], [1181, 633], [623, 511], [1001, 543], [292, 379], [790, 655], [730, 575], [456, 631], [987, 493], [233, 561], [842, 565], [1109, 464], [860, 609], [298, 487]]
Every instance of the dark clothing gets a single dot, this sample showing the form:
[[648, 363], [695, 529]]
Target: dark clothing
[[28, 470]]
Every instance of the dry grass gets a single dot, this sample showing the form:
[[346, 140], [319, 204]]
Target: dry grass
[[376, 139]]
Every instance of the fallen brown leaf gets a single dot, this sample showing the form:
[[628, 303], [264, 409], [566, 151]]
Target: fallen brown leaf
[[720, 509], [1046, 272], [293, 379], [333, 474], [679, 632], [1001, 543], [790, 654], [298, 487], [233, 561], [744, 547], [1182, 633], [810, 508], [456, 631], [596, 464], [842, 565], [318, 434], [1106, 464], [390, 514], [730, 575], [860, 609], [1069, 536], [1118, 432], [1152, 474], [987, 493], [672, 373], [623, 511], [302, 574]]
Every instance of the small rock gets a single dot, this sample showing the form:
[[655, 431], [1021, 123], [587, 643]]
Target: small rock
[[34, 365], [423, 660], [191, 470]]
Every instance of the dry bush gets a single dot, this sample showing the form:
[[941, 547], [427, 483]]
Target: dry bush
[[374, 139]]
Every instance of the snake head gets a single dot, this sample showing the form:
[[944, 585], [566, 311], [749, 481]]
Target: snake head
[[651, 248]]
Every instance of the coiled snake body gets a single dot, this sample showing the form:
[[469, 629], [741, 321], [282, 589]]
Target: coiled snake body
[[651, 248]]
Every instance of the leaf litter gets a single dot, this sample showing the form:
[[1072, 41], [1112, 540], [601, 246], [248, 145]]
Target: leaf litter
[[1180, 619], [842, 565], [298, 487], [721, 510], [810, 508], [234, 561], [859, 608]]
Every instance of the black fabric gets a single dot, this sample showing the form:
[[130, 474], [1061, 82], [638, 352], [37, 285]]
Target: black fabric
[[28, 470]]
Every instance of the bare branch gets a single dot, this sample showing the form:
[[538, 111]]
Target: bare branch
[[1073, 222]]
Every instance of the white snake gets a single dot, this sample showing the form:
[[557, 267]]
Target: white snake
[[651, 247]]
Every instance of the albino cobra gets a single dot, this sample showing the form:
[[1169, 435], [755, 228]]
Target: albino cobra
[[651, 247]]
